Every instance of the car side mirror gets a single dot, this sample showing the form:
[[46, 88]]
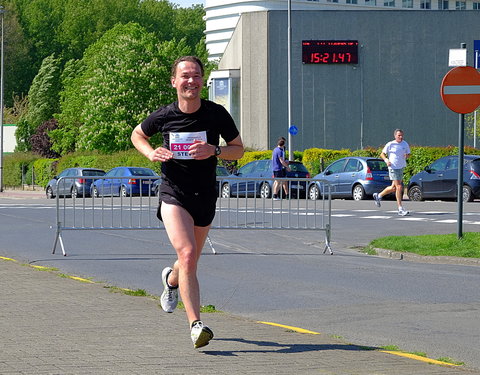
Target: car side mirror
[[428, 169], [327, 173]]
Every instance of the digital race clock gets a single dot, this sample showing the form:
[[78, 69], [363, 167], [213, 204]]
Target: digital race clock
[[330, 51]]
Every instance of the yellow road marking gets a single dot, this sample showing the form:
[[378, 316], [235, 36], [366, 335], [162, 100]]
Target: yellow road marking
[[9, 259], [418, 358], [296, 329], [401, 354], [81, 279]]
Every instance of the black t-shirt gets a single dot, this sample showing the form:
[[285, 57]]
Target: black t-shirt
[[189, 175]]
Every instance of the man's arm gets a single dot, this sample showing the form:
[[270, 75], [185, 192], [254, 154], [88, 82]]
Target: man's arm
[[385, 158], [141, 143]]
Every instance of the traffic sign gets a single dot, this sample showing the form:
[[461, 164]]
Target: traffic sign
[[460, 90], [293, 130]]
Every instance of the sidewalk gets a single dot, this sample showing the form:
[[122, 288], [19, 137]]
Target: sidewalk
[[59, 325], [24, 194]]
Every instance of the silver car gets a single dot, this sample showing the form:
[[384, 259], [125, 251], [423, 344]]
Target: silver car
[[70, 186]]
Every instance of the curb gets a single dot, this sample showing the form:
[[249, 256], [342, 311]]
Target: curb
[[411, 257]]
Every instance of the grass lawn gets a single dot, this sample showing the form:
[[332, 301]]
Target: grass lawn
[[433, 244]]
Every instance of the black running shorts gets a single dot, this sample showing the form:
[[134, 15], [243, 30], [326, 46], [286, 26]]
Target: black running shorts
[[201, 206]]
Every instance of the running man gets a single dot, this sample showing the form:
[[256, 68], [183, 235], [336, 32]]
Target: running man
[[395, 154], [191, 129]]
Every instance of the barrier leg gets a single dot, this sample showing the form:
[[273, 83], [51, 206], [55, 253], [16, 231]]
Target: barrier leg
[[211, 244], [58, 238], [327, 240]]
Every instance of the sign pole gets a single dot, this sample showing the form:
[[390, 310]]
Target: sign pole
[[475, 113], [461, 127]]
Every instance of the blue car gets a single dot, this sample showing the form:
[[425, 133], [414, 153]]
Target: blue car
[[439, 180], [125, 181], [352, 177], [256, 179]]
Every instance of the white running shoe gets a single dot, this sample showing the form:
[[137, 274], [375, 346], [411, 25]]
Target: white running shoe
[[201, 334], [169, 297], [402, 212], [377, 199]]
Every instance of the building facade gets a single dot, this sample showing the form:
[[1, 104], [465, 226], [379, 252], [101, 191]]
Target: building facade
[[402, 58], [222, 16]]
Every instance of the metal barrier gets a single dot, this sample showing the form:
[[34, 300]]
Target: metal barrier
[[117, 209]]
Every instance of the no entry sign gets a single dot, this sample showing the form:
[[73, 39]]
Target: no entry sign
[[460, 90]]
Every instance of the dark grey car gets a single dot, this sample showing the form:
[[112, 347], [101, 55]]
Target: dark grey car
[[439, 179], [69, 186]]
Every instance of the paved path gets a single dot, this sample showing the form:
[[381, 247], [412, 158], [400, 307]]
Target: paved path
[[59, 325]]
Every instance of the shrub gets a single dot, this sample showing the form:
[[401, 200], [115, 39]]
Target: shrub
[[18, 168], [315, 159], [254, 155], [44, 170]]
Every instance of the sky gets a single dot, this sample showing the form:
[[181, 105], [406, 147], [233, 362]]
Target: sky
[[187, 3]]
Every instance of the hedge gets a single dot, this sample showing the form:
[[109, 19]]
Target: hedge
[[21, 167]]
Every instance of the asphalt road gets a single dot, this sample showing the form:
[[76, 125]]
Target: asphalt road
[[283, 277]]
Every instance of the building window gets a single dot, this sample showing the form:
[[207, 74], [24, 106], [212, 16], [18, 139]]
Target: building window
[[460, 5], [332, 1], [371, 2], [442, 4], [352, 2], [407, 3], [389, 3], [425, 4], [476, 6]]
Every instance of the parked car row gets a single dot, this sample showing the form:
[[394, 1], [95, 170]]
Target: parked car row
[[255, 179], [349, 177], [119, 181]]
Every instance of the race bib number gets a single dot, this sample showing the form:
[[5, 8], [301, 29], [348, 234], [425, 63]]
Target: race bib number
[[180, 143]]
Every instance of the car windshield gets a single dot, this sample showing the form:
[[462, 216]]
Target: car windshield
[[476, 165], [93, 173], [377, 165], [222, 171], [142, 172], [298, 167]]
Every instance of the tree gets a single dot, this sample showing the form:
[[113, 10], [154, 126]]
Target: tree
[[124, 76], [71, 106], [43, 101], [84, 22], [189, 24], [18, 73], [40, 141]]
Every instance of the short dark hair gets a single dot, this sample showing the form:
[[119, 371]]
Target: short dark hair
[[281, 141], [193, 59]]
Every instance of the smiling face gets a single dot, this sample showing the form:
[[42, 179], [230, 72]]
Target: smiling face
[[188, 81], [398, 136]]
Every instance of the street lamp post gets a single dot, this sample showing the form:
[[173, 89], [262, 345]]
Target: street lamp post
[[289, 67], [2, 11]]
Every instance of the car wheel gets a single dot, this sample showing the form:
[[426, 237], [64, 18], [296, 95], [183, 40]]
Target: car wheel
[[95, 192], [74, 192], [313, 192], [225, 190], [265, 190], [415, 194], [358, 192], [49, 193], [123, 191], [467, 193]]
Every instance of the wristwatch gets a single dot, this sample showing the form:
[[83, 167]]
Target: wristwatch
[[218, 150]]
